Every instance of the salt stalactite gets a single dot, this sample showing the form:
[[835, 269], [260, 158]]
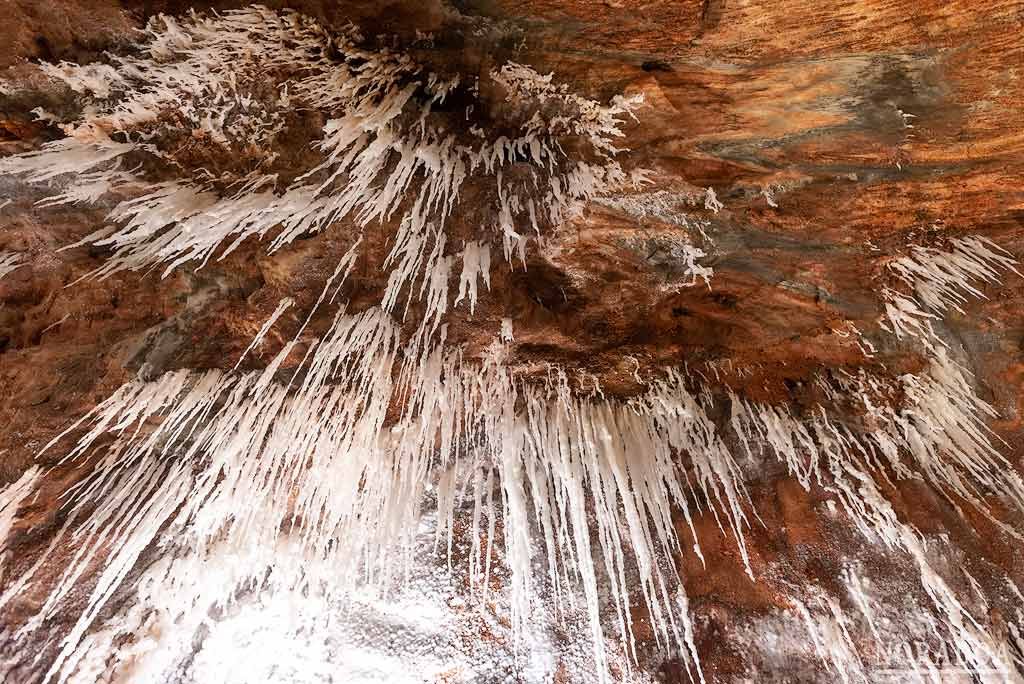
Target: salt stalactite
[[941, 280], [306, 489], [9, 261], [371, 161], [78, 154], [372, 157], [942, 429], [689, 255], [507, 334], [309, 488], [476, 264], [945, 279], [906, 318], [711, 201], [11, 499], [1015, 627], [689, 430], [855, 586], [828, 628]]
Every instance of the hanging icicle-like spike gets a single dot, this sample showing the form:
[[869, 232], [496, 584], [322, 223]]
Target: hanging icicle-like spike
[[372, 159], [950, 452], [10, 261], [941, 280], [12, 497], [476, 264], [944, 280], [259, 466]]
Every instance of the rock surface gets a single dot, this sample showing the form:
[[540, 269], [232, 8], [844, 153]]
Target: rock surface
[[834, 135]]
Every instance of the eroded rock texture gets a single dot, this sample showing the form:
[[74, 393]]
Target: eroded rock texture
[[792, 153]]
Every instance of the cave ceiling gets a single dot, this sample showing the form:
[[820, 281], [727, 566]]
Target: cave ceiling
[[805, 210]]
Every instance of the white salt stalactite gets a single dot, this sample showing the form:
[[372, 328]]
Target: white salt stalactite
[[855, 585], [10, 261], [372, 161], [831, 639], [253, 462], [476, 263], [953, 445], [12, 497], [256, 442], [944, 280], [941, 280]]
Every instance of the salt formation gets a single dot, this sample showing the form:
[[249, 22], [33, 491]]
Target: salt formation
[[829, 630], [306, 490], [9, 261], [688, 255], [209, 493], [661, 205], [943, 430], [358, 500], [380, 138], [941, 280], [11, 498]]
